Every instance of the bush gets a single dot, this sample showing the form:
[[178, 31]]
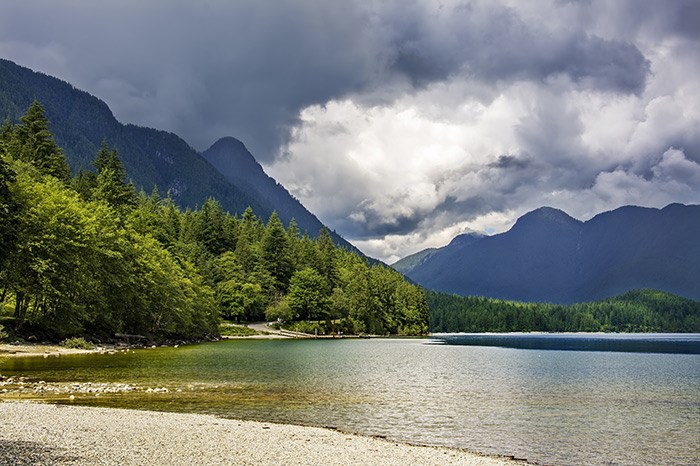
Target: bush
[[312, 328], [236, 331], [77, 343]]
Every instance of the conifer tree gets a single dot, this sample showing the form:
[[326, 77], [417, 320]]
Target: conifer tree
[[32, 142], [276, 253], [111, 184], [8, 210], [327, 254]]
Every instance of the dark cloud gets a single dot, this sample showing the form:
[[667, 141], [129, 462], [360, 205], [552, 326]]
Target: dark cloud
[[507, 162], [493, 42], [209, 69], [519, 78]]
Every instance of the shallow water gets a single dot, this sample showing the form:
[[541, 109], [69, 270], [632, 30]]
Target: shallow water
[[549, 406]]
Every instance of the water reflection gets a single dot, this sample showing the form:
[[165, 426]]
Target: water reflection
[[630, 343], [553, 407]]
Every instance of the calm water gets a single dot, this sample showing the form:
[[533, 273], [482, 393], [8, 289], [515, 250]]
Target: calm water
[[549, 406]]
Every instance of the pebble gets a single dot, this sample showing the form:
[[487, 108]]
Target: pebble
[[37, 433]]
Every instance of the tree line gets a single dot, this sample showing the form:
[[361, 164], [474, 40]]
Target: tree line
[[634, 311], [89, 255]]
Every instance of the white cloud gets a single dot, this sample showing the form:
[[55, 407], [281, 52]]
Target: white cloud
[[417, 170]]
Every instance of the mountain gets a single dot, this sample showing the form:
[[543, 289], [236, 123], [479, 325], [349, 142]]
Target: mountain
[[80, 122], [233, 160], [548, 256], [408, 263]]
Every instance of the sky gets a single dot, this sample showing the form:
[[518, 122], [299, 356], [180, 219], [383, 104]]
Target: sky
[[402, 123]]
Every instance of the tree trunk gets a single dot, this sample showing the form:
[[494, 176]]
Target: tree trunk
[[21, 303]]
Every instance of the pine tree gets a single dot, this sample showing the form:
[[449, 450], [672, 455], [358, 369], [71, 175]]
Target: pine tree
[[32, 142], [111, 184], [328, 265], [8, 210], [276, 253]]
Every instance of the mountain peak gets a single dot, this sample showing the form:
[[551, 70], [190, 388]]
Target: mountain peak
[[465, 239], [547, 215], [230, 155], [229, 142], [233, 160]]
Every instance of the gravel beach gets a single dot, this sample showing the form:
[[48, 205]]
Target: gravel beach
[[36, 433]]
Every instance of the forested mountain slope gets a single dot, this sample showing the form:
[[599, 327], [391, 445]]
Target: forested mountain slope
[[549, 256], [237, 164], [634, 311], [80, 122]]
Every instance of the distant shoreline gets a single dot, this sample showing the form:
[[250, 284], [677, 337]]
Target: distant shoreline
[[40, 433], [26, 349]]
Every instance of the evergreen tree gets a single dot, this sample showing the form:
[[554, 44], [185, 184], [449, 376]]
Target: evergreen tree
[[327, 255], [32, 142], [8, 210], [276, 253], [210, 227], [84, 183], [111, 184], [7, 131]]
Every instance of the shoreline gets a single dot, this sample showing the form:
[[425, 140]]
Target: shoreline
[[50, 349], [35, 432]]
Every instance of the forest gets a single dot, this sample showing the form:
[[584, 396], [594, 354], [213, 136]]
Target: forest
[[89, 255], [634, 311]]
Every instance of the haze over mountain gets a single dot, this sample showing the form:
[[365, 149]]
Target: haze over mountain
[[80, 122], [549, 256]]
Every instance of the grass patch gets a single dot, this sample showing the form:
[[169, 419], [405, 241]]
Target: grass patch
[[236, 331]]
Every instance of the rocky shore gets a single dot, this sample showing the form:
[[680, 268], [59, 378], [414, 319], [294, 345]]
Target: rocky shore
[[36, 433]]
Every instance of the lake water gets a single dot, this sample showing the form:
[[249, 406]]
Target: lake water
[[549, 406]]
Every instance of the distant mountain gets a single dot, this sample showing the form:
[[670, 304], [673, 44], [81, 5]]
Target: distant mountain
[[408, 263], [80, 121], [237, 164], [548, 256]]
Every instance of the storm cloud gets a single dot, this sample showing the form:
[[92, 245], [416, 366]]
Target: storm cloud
[[402, 123]]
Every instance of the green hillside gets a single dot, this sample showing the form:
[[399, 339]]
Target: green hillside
[[635, 311]]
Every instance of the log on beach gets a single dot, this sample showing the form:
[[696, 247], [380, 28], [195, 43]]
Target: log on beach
[[36, 433]]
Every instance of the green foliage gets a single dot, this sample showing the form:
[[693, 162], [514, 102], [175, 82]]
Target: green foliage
[[635, 311], [8, 210], [91, 257], [276, 253], [110, 184], [32, 142], [236, 331], [308, 295], [77, 343]]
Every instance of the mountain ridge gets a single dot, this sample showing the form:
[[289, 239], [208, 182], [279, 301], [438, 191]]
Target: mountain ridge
[[80, 122], [234, 161], [550, 257]]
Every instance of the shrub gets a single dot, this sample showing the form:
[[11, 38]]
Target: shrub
[[77, 343], [236, 331]]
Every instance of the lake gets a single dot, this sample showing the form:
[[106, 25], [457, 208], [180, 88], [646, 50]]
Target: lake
[[547, 405]]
